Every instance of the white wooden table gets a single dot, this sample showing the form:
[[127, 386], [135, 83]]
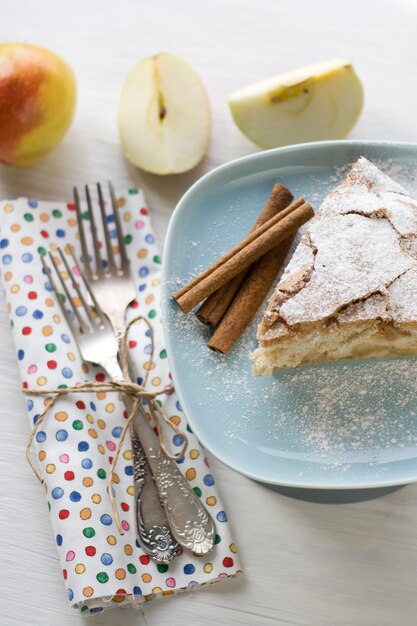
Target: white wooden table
[[305, 564]]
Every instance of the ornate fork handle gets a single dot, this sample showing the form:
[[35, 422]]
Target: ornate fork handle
[[155, 536], [153, 529], [188, 519]]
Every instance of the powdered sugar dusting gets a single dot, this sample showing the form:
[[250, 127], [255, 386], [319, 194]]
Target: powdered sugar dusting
[[332, 413], [355, 256], [335, 415]]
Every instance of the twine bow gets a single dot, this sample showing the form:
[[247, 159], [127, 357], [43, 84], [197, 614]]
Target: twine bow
[[127, 387]]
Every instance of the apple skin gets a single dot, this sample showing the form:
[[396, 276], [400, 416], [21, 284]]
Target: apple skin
[[164, 115], [37, 102]]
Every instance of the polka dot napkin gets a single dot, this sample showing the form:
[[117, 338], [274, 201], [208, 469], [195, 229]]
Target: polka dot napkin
[[75, 445]]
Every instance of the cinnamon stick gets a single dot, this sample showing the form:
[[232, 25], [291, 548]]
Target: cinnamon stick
[[215, 306], [249, 298], [226, 257], [252, 248]]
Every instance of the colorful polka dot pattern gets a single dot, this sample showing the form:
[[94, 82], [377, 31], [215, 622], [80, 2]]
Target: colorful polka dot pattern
[[75, 446]]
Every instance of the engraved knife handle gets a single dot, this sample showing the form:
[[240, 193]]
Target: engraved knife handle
[[190, 523]]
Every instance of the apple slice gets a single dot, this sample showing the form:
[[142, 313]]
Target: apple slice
[[164, 116], [313, 103]]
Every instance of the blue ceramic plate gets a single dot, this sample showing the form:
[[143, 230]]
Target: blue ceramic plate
[[346, 425]]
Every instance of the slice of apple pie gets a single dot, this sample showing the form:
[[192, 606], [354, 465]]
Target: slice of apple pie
[[350, 290]]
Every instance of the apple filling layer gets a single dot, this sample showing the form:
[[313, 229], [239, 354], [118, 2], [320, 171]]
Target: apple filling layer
[[315, 345], [350, 289]]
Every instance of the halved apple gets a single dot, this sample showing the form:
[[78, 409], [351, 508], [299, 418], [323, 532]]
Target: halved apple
[[164, 115], [313, 103]]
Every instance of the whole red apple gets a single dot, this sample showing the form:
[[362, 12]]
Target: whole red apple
[[37, 102]]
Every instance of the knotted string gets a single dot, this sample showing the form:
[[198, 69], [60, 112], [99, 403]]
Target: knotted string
[[128, 388]]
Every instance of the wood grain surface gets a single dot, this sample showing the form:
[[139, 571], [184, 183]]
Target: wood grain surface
[[306, 564]]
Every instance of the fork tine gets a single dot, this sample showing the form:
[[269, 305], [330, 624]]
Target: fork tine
[[97, 253], [81, 230], [87, 286], [76, 287], [119, 229], [110, 255], [55, 289], [67, 292]]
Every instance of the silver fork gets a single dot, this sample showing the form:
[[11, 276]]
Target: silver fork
[[98, 344], [114, 289]]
